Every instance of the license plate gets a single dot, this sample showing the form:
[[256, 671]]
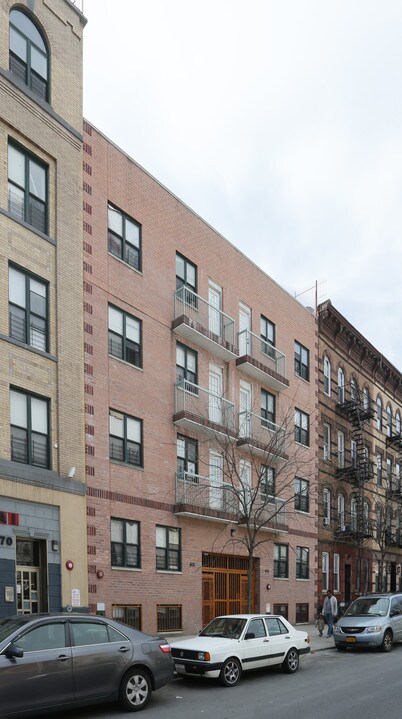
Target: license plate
[[351, 640], [179, 667]]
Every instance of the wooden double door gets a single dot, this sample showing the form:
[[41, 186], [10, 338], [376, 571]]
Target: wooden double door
[[224, 586]]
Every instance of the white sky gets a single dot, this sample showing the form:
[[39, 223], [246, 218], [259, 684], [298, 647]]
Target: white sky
[[279, 122]]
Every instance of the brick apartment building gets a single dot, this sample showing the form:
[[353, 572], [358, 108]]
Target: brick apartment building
[[195, 362], [360, 456], [42, 447]]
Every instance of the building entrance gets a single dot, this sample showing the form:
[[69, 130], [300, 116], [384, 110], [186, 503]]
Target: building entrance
[[224, 586], [28, 576]]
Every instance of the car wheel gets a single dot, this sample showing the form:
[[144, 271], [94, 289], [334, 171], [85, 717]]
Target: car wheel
[[230, 672], [387, 641], [291, 661], [340, 648], [135, 690]]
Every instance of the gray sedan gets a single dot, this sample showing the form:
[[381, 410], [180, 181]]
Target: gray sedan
[[51, 661]]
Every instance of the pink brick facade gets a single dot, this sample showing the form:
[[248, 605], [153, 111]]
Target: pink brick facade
[[147, 494]]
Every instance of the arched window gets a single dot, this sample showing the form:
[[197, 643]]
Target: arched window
[[397, 422], [354, 390], [366, 399], [366, 513], [341, 512], [341, 386], [389, 421], [327, 376], [29, 57], [379, 414], [327, 506]]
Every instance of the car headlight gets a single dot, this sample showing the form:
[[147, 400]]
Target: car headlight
[[337, 630], [374, 630], [204, 656]]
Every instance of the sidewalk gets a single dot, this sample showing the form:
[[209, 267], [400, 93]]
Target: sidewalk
[[317, 643]]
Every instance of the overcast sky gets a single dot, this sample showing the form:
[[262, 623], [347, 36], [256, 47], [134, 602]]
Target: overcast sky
[[280, 123]]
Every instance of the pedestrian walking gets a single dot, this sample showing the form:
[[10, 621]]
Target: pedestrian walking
[[330, 611], [320, 624]]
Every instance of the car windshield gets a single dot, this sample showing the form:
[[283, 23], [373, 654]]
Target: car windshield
[[229, 627], [368, 607]]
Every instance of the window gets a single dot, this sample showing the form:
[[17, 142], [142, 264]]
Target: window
[[28, 54], [257, 627], [327, 443], [44, 637], [267, 409], [341, 450], [302, 427], [29, 420], [168, 549], [86, 633], [379, 414], [341, 512], [379, 469], [389, 472], [378, 518], [335, 579], [281, 561], [389, 421], [124, 237], [125, 438], [28, 309], [354, 390], [327, 376], [283, 611], [302, 563], [187, 458], [125, 543], [302, 495], [27, 188], [302, 361], [124, 336], [398, 422], [186, 276], [366, 399], [325, 567], [366, 518], [186, 366], [341, 386], [326, 506], [353, 453], [128, 614], [353, 514], [169, 617], [268, 337], [267, 482], [301, 613]]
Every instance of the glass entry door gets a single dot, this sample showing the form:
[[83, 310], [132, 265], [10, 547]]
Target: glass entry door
[[27, 590]]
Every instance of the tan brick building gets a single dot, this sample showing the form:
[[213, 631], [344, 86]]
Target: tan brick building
[[42, 447], [196, 363], [360, 456]]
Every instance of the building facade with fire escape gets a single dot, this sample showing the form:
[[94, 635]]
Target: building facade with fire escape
[[360, 459]]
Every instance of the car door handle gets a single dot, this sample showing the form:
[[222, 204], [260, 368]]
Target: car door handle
[[265, 640], [63, 658], [123, 650]]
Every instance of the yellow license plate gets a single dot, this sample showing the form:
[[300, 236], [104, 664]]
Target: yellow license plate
[[351, 640]]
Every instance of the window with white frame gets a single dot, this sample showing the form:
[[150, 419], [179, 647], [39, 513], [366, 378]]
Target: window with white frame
[[389, 472], [327, 376], [125, 543], [168, 549], [397, 422], [379, 469], [124, 337], [354, 390], [341, 512], [326, 506], [28, 309], [29, 424], [389, 421], [267, 482], [379, 414], [353, 453], [335, 579], [341, 450], [341, 386], [302, 361], [325, 568], [327, 442], [366, 398], [353, 514]]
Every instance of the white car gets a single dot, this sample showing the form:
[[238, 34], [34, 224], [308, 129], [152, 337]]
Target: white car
[[235, 643]]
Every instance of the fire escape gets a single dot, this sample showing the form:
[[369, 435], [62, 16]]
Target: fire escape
[[394, 489], [357, 469]]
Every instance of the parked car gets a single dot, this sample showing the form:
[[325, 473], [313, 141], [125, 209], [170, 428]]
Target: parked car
[[51, 661], [374, 620], [232, 644]]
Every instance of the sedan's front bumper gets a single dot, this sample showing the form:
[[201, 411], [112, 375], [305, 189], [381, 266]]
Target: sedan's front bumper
[[197, 668]]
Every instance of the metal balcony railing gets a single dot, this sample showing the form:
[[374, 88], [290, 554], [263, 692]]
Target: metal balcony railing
[[259, 350], [260, 434], [201, 407], [203, 323], [204, 493], [266, 511]]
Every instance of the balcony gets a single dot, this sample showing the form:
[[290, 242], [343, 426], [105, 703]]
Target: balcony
[[260, 436], [205, 498], [199, 322], [349, 469], [200, 410], [351, 405], [261, 361], [267, 513], [354, 525]]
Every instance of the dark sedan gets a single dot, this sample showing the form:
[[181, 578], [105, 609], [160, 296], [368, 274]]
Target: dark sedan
[[51, 661]]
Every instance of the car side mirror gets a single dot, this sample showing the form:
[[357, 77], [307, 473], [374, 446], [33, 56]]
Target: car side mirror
[[14, 652], [250, 635]]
